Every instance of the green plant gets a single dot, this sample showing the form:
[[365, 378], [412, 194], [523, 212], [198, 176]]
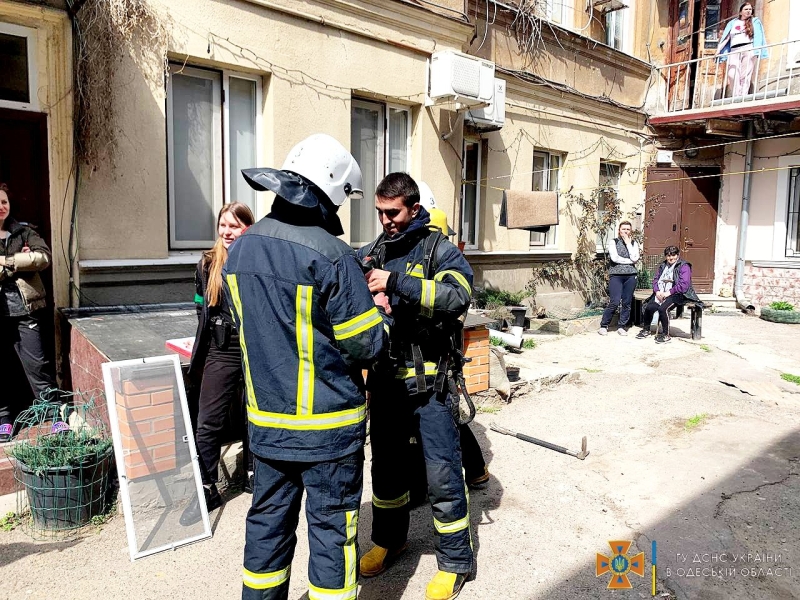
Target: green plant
[[10, 522], [491, 410], [791, 378], [63, 449], [705, 347], [100, 520], [529, 344], [695, 421], [496, 341], [491, 298], [781, 306], [588, 370]]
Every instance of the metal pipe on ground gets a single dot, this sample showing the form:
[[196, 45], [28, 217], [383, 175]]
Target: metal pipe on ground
[[738, 288]]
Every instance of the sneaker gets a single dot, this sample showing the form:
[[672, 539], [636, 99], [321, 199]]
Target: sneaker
[[662, 339], [603, 331], [378, 559], [5, 432], [644, 333], [445, 586], [622, 331], [248, 482], [479, 480]]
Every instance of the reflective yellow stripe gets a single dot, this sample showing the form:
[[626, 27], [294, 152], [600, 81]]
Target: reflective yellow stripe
[[386, 328], [305, 350], [318, 593], [262, 581], [332, 420], [357, 324], [351, 531], [428, 297], [453, 527], [457, 276], [396, 503], [430, 369], [415, 270], [233, 284]]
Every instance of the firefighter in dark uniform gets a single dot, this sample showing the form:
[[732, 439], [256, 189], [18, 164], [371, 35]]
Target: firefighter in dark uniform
[[307, 326], [408, 389]]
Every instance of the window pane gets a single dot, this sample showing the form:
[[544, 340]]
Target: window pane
[[398, 140], [469, 210], [366, 145], [193, 157], [539, 171], [556, 10], [242, 117], [609, 178], [793, 216], [14, 68]]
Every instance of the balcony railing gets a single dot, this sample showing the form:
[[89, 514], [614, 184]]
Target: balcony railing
[[708, 83]]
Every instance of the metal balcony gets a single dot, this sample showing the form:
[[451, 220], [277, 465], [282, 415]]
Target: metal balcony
[[699, 89]]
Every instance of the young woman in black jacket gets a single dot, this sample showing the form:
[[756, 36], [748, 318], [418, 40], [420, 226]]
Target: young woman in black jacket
[[23, 253], [216, 356]]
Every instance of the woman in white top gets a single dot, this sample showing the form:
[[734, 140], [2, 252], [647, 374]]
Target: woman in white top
[[743, 42], [623, 253]]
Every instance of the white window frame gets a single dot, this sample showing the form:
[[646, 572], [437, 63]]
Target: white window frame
[[550, 239], [221, 180], [601, 247], [793, 56], [382, 146], [780, 229], [556, 15], [477, 228], [226, 131], [33, 72], [626, 43]]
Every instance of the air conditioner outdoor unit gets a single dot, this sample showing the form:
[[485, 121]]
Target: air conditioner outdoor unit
[[492, 117], [460, 78]]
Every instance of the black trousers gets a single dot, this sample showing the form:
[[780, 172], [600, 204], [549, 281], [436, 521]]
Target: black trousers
[[620, 291], [25, 334], [663, 312], [220, 389], [471, 455]]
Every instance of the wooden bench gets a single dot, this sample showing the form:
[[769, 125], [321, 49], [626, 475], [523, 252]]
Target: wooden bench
[[695, 324]]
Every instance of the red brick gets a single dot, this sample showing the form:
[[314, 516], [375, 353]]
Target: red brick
[[159, 466], [150, 440], [148, 385], [165, 451], [478, 387], [150, 412], [162, 397], [134, 400], [135, 429], [163, 424]]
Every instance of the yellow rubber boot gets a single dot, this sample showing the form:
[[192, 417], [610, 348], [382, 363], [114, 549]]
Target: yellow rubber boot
[[445, 586], [378, 559]]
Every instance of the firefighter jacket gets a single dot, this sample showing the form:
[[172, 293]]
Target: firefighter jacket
[[425, 306], [307, 327]]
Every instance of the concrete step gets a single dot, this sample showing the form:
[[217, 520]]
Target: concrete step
[[718, 302]]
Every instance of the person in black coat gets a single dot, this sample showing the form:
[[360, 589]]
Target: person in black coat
[[23, 254], [216, 355]]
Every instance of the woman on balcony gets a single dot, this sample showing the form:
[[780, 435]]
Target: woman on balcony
[[743, 42]]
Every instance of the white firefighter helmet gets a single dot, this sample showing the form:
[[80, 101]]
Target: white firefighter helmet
[[426, 196], [327, 164]]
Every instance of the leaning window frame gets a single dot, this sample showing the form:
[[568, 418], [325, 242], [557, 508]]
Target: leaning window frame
[[222, 189], [30, 35]]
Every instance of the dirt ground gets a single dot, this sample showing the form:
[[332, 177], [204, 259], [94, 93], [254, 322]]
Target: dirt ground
[[693, 446]]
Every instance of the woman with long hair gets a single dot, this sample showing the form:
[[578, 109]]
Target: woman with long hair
[[623, 252], [23, 254], [743, 42], [216, 356]]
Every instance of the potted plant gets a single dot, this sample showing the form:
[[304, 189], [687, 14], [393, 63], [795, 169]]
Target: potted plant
[[63, 463], [780, 312]]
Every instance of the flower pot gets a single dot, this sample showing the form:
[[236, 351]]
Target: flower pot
[[67, 497], [519, 315], [780, 316]]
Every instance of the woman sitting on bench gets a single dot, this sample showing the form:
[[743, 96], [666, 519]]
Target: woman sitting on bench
[[672, 286]]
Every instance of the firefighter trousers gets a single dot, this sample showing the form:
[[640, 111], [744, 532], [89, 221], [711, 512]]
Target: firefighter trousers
[[333, 495], [395, 417]]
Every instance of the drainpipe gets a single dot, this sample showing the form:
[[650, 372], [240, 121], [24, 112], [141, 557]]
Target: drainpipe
[[738, 290]]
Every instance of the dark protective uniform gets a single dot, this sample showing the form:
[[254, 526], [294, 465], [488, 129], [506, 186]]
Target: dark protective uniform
[[405, 398], [307, 325]]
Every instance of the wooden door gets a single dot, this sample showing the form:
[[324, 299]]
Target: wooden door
[[682, 41], [700, 196], [681, 210], [24, 167]]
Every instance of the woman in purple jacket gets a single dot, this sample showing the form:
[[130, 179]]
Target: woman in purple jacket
[[672, 286]]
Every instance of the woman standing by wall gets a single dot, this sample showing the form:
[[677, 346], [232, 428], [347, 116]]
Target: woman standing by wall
[[743, 42], [216, 356], [623, 251], [23, 253]]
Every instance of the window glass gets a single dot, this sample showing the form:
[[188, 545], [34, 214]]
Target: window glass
[[793, 216], [614, 29], [398, 140], [242, 122], [14, 84], [545, 178], [609, 179], [471, 193], [366, 145], [193, 159]]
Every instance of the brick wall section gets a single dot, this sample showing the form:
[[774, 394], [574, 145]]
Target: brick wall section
[[146, 411], [476, 347], [764, 285], [86, 372]]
